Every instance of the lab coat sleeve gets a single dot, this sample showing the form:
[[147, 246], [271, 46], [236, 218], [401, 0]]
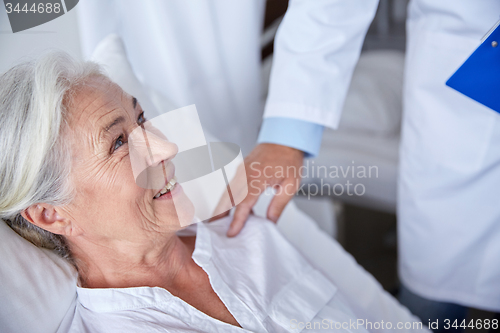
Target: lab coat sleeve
[[315, 51], [298, 134]]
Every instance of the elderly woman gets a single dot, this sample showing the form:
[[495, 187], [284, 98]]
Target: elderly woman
[[66, 184]]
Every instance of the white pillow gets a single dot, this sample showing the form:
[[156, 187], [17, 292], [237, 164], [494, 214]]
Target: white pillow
[[37, 286]]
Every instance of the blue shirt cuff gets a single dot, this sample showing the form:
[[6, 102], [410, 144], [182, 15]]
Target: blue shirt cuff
[[298, 134]]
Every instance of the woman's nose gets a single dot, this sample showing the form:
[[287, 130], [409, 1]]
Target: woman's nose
[[148, 147], [159, 148]]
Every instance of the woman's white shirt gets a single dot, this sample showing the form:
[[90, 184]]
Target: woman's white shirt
[[266, 284]]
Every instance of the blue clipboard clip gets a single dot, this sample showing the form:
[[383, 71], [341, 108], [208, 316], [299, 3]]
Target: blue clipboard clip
[[479, 76]]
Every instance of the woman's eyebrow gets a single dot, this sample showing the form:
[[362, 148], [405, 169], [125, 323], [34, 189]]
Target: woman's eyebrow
[[114, 122], [120, 119]]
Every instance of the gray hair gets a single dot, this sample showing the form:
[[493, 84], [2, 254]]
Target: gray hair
[[36, 162]]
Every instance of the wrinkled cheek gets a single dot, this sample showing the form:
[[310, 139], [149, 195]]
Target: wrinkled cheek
[[165, 216], [185, 210], [145, 215]]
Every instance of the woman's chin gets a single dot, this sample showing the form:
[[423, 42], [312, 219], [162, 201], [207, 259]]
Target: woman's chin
[[178, 205]]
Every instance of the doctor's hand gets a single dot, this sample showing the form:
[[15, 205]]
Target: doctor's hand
[[269, 165]]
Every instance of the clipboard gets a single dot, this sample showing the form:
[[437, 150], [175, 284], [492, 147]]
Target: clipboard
[[479, 76]]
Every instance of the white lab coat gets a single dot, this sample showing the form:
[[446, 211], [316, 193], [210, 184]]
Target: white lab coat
[[203, 52], [448, 211]]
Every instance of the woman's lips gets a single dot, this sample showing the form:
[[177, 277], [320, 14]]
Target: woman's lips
[[167, 170], [174, 191], [167, 188]]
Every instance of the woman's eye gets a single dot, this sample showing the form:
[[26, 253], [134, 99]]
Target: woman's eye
[[121, 140], [118, 143], [141, 119]]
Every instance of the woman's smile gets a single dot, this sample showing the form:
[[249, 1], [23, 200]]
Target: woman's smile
[[169, 191]]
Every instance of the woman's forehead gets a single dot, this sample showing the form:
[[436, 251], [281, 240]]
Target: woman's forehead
[[96, 99]]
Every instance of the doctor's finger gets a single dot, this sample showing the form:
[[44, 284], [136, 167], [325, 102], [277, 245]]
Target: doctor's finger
[[284, 194], [241, 214]]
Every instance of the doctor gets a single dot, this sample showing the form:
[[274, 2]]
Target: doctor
[[448, 211]]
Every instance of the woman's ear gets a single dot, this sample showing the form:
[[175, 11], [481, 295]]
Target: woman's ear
[[48, 218]]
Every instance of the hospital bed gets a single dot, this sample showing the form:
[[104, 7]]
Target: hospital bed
[[38, 288]]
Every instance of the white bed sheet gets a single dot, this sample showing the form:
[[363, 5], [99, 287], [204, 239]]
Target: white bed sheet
[[359, 289]]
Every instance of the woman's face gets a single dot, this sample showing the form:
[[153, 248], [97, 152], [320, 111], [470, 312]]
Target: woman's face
[[109, 206]]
